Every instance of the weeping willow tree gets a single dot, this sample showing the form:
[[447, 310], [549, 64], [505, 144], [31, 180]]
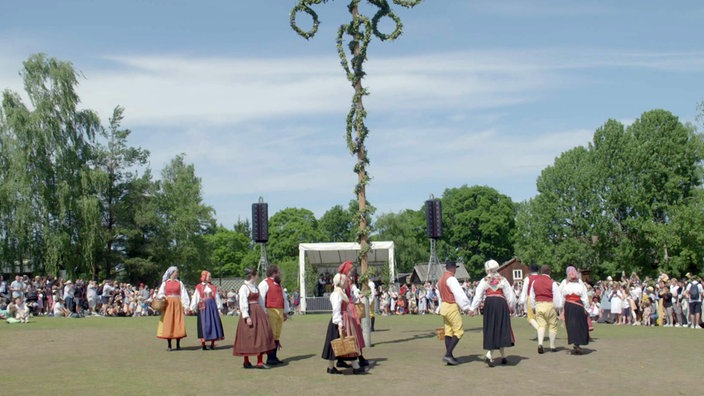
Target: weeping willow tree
[[359, 32]]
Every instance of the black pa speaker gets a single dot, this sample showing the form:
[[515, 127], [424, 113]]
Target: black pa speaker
[[260, 222], [433, 218]]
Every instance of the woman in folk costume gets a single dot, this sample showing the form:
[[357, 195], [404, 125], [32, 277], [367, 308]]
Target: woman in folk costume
[[205, 303], [576, 307], [254, 336], [341, 322], [171, 323], [353, 296], [499, 300]]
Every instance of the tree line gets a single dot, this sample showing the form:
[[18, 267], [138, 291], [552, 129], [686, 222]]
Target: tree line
[[76, 197]]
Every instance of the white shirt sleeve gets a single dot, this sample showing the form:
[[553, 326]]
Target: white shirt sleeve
[[185, 300], [459, 294], [557, 299], [244, 304], [532, 295], [336, 302], [509, 294], [160, 295], [478, 295], [195, 300], [263, 290]]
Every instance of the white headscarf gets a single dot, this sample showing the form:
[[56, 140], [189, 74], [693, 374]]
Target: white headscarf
[[169, 272], [337, 282]]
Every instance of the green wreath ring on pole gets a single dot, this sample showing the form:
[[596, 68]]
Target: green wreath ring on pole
[[302, 7]]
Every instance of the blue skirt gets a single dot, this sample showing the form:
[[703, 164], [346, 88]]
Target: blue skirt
[[209, 323]]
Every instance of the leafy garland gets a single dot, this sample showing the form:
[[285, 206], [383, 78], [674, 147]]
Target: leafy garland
[[360, 30]]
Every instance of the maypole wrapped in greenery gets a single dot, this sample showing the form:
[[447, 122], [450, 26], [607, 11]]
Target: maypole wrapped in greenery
[[360, 31]]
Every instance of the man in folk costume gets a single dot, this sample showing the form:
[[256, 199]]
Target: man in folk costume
[[205, 303], [499, 300], [271, 297], [546, 299], [576, 300], [348, 270], [525, 297], [454, 300]]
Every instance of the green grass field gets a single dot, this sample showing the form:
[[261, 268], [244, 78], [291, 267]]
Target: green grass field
[[120, 356]]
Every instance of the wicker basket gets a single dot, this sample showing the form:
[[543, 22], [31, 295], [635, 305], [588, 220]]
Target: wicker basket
[[440, 332], [158, 304], [345, 346]]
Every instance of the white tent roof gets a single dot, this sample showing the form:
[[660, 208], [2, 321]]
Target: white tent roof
[[327, 256]]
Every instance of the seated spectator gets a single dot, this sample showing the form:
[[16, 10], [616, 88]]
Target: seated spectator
[[59, 309], [18, 312]]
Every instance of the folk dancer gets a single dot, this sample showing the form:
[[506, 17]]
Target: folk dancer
[[340, 323], [524, 299], [454, 300], [499, 300], [271, 297], [349, 271], [171, 323], [576, 307], [205, 303], [254, 336], [546, 299]]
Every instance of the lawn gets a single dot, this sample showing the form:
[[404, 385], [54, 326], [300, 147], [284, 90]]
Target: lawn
[[115, 356]]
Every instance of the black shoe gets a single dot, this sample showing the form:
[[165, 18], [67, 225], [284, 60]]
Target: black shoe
[[363, 363], [540, 349], [343, 364], [504, 361], [489, 362], [204, 348], [263, 366], [273, 362], [361, 370], [553, 349], [333, 371], [451, 361], [576, 351], [248, 365]]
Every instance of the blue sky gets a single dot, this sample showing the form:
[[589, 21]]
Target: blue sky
[[473, 92]]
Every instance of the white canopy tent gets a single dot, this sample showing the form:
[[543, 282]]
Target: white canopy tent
[[328, 256]]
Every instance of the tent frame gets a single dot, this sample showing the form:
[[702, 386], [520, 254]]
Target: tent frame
[[345, 251]]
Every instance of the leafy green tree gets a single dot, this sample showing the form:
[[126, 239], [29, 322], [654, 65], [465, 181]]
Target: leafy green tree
[[288, 228], [407, 230], [479, 224], [184, 219], [115, 174], [48, 149], [337, 225], [228, 249]]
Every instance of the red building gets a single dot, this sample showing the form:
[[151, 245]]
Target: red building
[[514, 270]]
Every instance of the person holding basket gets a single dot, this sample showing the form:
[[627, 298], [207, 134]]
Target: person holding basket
[[341, 326]]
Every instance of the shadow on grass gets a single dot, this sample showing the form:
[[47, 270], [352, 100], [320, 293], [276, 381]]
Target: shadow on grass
[[407, 339]]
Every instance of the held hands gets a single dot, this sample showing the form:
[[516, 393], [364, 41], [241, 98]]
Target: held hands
[[249, 322]]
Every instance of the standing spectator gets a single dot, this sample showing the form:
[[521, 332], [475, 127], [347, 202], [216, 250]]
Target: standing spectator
[[68, 291], [296, 302], [499, 299], [666, 300], [171, 323], [422, 301], [17, 288], [3, 287], [232, 302], [694, 293]]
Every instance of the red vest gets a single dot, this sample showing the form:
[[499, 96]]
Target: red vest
[[542, 287], [445, 292], [275, 295]]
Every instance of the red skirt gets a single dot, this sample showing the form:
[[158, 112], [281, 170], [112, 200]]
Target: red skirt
[[255, 339]]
